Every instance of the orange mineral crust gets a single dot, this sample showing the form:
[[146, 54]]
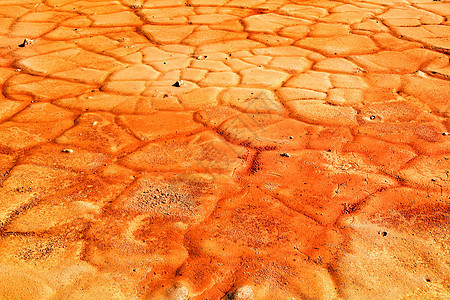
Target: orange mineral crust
[[224, 149]]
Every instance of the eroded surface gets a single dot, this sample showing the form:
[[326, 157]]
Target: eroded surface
[[224, 149]]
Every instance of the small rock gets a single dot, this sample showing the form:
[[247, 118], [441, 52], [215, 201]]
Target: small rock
[[26, 42], [67, 151], [285, 154], [178, 83]]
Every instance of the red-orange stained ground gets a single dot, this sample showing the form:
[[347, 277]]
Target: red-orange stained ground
[[224, 149]]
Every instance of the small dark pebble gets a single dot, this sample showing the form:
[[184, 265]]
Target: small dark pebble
[[372, 117], [285, 155], [383, 233], [177, 83], [25, 42]]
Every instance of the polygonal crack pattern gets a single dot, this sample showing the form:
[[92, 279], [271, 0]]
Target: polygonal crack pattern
[[224, 149]]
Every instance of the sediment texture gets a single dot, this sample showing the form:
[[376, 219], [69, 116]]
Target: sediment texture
[[224, 149]]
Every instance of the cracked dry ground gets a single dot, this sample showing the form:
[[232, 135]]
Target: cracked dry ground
[[304, 153]]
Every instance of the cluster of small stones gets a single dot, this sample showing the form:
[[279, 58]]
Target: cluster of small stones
[[224, 149]]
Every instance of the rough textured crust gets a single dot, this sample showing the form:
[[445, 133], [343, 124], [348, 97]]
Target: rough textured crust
[[224, 149]]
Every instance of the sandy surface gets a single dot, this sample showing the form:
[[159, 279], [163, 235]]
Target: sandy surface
[[224, 149]]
